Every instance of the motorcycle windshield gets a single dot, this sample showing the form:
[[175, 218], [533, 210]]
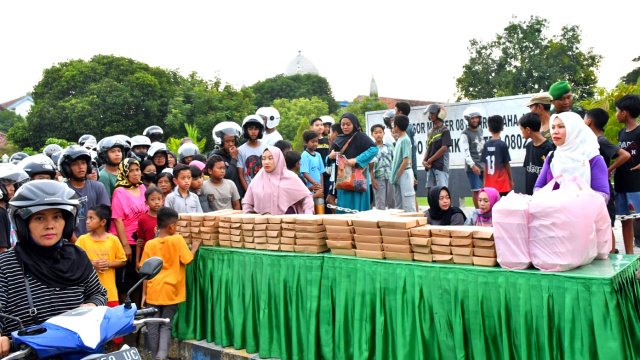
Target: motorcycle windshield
[[80, 330]]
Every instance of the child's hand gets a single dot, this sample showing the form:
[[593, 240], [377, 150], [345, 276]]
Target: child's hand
[[233, 151], [333, 154], [374, 183], [476, 170]]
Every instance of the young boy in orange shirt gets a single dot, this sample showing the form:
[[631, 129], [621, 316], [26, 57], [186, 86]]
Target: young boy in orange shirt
[[168, 288]]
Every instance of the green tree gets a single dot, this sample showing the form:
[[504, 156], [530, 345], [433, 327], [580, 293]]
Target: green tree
[[62, 142], [173, 144], [293, 87], [633, 76], [8, 118], [295, 115], [360, 106], [606, 99], [103, 96], [522, 59]]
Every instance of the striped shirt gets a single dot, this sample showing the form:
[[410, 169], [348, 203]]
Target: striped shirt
[[48, 301]]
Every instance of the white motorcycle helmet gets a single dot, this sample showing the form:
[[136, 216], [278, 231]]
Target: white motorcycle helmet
[[326, 119], [225, 127], [471, 112], [270, 115]]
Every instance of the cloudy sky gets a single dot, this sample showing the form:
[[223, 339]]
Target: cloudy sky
[[414, 49]]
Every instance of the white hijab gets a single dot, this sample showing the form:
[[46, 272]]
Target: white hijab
[[580, 146]]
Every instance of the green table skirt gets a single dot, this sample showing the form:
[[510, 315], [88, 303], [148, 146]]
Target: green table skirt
[[295, 306]]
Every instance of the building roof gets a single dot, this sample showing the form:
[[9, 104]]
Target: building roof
[[12, 104], [301, 65], [391, 102]]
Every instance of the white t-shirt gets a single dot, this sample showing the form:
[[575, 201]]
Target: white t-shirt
[[270, 139]]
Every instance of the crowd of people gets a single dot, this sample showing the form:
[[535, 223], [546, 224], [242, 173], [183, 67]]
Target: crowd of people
[[121, 196]]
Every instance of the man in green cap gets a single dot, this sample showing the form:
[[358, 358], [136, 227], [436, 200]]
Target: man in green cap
[[562, 96]]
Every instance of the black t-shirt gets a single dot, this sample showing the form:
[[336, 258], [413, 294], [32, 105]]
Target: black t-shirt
[[438, 138], [607, 149], [323, 149], [624, 179], [533, 161]]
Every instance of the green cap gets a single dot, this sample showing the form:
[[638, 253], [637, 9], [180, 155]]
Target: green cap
[[558, 89]]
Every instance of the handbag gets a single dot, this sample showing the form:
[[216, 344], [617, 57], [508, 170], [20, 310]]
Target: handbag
[[349, 177]]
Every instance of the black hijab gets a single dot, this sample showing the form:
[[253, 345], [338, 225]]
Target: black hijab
[[61, 265], [435, 212], [360, 141]]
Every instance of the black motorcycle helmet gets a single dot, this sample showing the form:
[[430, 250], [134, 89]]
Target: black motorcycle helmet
[[38, 164], [51, 149], [17, 157], [71, 154], [86, 137], [107, 144], [154, 133], [40, 195]]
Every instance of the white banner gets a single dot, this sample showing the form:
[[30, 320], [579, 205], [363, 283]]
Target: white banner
[[511, 108]]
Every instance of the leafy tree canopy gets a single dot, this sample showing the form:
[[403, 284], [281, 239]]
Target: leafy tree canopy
[[360, 106], [633, 76], [295, 115], [522, 59], [293, 87], [8, 118]]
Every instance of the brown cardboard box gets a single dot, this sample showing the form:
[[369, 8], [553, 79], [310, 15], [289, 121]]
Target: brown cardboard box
[[261, 220], [287, 240], [247, 233], [224, 237], [195, 230], [286, 247], [272, 240], [273, 227], [340, 244], [309, 220], [207, 229], [183, 223], [236, 225], [441, 231], [461, 232], [395, 232], [224, 225], [224, 231], [289, 219], [485, 233], [484, 252], [444, 241], [343, 252], [247, 239], [420, 241], [303, 235], [395, 240], [484, 261], [462, 251], [368, 239], [423, 257], [336, 220], [236, 244], [310, 228], [438, 249], [198, 217], [236, 237], [210, 223], [310, 249], [195, 236], [288, 233], [484, 243], [274, 219], [273, 247], [421, 249], [260, 240], [447, 259], [368, 223], [339, 229], [249, 245], [465, 260], [259, 233], [259, 227], [262, 246], [400, 223], [411, 214], [225, 243], [423, 231], [288, 226], [273, 234], [184, 216], [468, 242], [370, 254], [236, 219], [213, 237], [247, 227], [340, 237], [210, 242], [196, 223], [311, 242], [236, 232], [396, 248], [367, 231], [398, 256], [368, 246], [248, 218]]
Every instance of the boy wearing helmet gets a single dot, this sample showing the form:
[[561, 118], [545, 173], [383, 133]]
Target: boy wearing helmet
[[471, 143], [110, 152], [229, 139], [250, 153], [436, 158], [271, 118]]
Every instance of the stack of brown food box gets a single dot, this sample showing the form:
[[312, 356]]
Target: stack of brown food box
[[484, 248], [201, 226], [421, 243], [230, 229], [385, 238], [311, 235], [259, 232], [340, 235], [288, 232]]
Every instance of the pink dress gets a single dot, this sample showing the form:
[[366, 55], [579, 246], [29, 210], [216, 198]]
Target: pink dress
[[128, 208]]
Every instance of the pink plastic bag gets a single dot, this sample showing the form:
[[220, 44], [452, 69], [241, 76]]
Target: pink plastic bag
[[511, 231], [561, 225]]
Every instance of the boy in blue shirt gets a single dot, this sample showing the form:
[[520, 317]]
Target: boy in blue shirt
[[311, 164], [401, 172]]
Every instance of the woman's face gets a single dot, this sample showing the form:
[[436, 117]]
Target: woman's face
[[558, 132], [444, 200], [159, 159], [135, 174], [268, 163], [164, 184], [346, 125], [172, 161], [46, 227], [483, 202], [11, 189]]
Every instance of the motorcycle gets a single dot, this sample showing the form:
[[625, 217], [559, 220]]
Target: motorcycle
[[80, 334]]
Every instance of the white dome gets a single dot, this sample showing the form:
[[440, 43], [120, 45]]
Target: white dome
[[301, 65]]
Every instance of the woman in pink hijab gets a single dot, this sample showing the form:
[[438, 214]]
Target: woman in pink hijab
[[487, 197], [276, 190]]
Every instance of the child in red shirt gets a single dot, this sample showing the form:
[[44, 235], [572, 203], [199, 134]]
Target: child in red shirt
[[147, 223]]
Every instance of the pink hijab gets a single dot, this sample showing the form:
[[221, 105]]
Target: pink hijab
[[494, 196], [275, 192]]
